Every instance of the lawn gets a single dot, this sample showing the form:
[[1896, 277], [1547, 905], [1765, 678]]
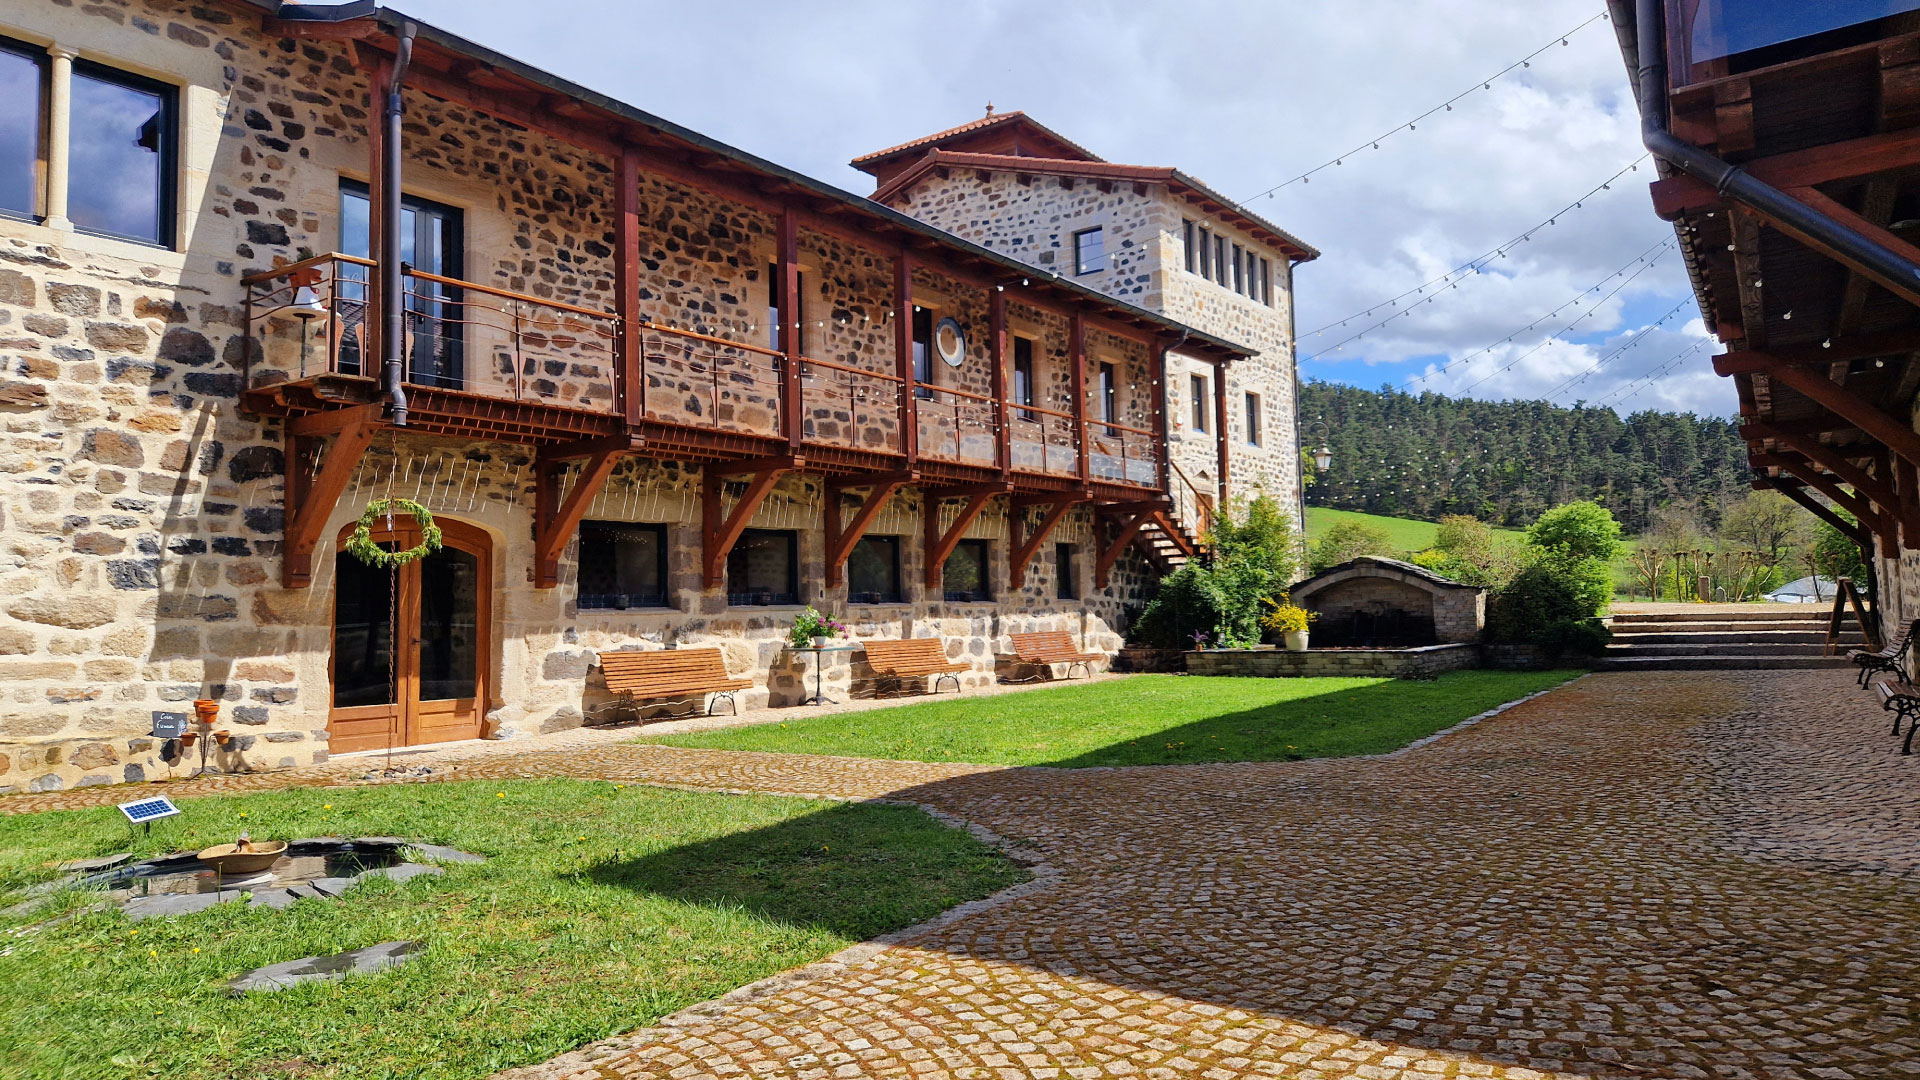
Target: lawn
[[1408, 534], [600, 909], [1148, 720]]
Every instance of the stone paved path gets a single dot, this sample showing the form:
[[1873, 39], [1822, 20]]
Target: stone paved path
[[1639, 875]]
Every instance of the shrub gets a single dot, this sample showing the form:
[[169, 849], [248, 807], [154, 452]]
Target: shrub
[[1582, 529], [1253, 560], [1346, 541], [1552, 602]]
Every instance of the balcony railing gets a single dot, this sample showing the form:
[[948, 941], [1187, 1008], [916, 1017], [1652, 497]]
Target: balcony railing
[[312, 319]]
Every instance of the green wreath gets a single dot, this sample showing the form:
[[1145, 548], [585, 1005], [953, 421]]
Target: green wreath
[[362, 547]]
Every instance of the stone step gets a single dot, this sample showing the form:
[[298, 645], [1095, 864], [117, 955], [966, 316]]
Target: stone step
[[1734, 637], [1720, 663], [1795, 626], [1629, 648], [1775, 613]]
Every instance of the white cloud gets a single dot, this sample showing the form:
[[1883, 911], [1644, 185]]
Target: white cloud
[[1244, 94]]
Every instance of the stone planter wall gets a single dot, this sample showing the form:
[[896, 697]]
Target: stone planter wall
[[1323, 663], [1140, 658]]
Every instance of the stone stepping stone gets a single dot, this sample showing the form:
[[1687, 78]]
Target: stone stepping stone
[[277, 899], [148, 907], [104, 862], [404, 872], [325, 968], [439, 853]]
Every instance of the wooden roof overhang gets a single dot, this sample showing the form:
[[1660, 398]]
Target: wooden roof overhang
[[453, 69], [1824, 356]]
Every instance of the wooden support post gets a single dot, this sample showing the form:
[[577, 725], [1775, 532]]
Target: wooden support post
[[719, 532], [308, 505], [630, 378], [841, 538], [940, 543], [1077, 359], [1906, 507], [1023, 549], [789, 316], [1157, 377], [903, 356], [1110, 553], [1895, 434], [373, 321], [999, 358], [555, 520], [1222, 446]]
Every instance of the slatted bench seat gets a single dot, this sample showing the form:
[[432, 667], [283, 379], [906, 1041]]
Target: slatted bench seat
[[1891, 658], [1044, 648], [636, 677], [1905, 707], [915, 658]]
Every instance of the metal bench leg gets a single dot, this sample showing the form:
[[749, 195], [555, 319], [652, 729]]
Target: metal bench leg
[[733, 707], [954, 679]]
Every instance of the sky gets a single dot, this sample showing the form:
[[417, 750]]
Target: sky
[[1594, 307]]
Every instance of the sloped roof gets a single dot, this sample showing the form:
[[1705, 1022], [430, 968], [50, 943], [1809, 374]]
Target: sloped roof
[[990, 121], [1209, 200]]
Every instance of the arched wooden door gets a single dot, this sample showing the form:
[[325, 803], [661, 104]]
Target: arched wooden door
[[433, 688]]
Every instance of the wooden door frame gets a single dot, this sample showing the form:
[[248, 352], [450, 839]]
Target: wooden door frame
[[456, 534]]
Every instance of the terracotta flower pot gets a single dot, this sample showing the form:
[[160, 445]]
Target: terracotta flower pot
[[206, 710], [188, 738], [223, 737]]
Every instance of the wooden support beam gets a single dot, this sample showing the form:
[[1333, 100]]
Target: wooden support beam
[[1747, 279], [1876, 205], [1077, 380], [1906, 484], [626, 276], [788, 267], [1845, 160], [1021, 550], [999, 357], [841, 538], [334, 421], [555, 519], [720, 531], [1157, 378], [1882, 524], [1165, 522], [1755, 430], [309, 504], [1904, 286], [373, 322], [1825, 457], [1897, 435], [940, 543], [1110, 553], [1895, 343], [1222, 445], [1849, 529], [909, 406]]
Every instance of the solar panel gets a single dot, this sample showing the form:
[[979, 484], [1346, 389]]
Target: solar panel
[[145, 810]]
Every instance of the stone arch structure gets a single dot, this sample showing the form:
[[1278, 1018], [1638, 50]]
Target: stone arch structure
[[1372, 601]]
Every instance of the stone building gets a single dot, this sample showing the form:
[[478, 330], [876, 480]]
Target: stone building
[[1153, 236], [657, 392]]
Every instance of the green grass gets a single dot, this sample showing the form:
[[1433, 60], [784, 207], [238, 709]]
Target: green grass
[[1148, 720], [601, 909], [1408, 534]]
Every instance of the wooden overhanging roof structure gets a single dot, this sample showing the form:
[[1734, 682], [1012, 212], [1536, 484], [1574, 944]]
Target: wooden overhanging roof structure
[[1823, 345], [454, 69]]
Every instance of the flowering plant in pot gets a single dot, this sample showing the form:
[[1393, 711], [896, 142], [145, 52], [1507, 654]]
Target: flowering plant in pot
[[1290, 621], [814, 630]]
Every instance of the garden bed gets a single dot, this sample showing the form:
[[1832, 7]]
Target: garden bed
[[1334, 663]]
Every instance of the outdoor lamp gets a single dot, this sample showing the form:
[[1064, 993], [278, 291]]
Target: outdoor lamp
[[1323, 457], [305, 305]]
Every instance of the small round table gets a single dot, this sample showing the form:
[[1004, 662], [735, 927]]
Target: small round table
[[819, 662]]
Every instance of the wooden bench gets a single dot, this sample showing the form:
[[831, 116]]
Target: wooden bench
[[1905, 707], [634, 677], [1890, 658], [1044, 648], [915, 658]]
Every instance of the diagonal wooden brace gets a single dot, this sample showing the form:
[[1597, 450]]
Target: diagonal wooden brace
[[1882, 524], [719, 532], [309, 504], [1111, 553], [940, 544], [1849, 529], [555, 519], [841, 538], [1893, 433], [1022, 550]]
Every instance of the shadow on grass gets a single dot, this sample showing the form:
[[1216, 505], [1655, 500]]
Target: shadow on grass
[[858, 871]]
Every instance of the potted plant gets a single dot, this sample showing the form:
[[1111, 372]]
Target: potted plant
[[1290, 621], [814, 630]]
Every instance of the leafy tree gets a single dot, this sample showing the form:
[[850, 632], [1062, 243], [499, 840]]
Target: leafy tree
[[1835, 555], [1584, 530], [1766, 523], [1346, 541]]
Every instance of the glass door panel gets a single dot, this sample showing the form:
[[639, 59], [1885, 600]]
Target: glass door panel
[[362, 633], [449, 624]]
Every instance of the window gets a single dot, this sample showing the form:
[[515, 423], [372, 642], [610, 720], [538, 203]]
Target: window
[[430, 240], [774, 282], [120, 155], [1266, 282], [1205, 259], [873, 571], [622, 565], [764, 568], [1253, 419], [1220, 259], [1239, 275], [922, 352], [1109, 398], [1197, 387], [1186, 242], [1064, 586], [23, 76], [964, 578], [1089, 250], [1023, 376]]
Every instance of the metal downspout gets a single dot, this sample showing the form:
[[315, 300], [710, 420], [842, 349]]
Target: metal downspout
[[392, 288]]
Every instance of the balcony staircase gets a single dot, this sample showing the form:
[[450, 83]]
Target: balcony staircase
[[1780, 637]]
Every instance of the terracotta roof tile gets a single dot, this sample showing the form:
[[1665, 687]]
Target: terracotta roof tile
[[988, 121]]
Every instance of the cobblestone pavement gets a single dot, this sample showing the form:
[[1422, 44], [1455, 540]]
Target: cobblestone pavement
[[1639, 875]]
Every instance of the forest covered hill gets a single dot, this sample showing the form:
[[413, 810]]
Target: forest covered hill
[[1425, 455]]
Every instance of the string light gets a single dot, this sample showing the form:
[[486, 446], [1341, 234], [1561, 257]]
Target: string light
[[1445, 106], [1474, 266]]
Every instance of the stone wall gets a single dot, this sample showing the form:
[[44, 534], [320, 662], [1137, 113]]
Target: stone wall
[[1334, 663], [1376, 587], [141, 509]]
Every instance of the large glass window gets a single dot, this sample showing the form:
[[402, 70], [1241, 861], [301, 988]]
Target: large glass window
[[449, 624], [1253, 419], [1220, 259], [121, 155], [1109, 398], [764, 568], [622, 565], [1266, 282], [1186, 242], [22, 93], [1023, 376], [1064, 585], [1197, 390], [922, 352], [1239, 271], [873, 571], [430, 240], [1726, 27], [1089, 250], [964, 578], [774, 284], [1203, 251]]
